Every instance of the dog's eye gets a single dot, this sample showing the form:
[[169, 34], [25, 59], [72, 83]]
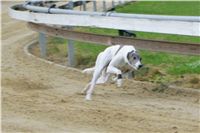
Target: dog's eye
[[134, 58]]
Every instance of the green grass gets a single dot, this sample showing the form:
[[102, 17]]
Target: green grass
[[172, 63], [186, 8], [86, 53]]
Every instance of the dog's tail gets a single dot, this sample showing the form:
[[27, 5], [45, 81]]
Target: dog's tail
[[89, 70]]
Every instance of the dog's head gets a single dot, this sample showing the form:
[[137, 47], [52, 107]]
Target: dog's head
[[134, 60]]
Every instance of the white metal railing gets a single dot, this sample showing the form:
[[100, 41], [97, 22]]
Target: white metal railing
[[182, 25]]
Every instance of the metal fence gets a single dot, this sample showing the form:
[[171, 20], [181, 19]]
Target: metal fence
[[184, 25]]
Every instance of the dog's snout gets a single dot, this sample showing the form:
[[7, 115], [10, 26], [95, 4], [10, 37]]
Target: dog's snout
[[140, 66]]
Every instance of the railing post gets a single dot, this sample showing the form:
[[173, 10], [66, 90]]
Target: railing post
[[42, 43], [84, 5], [94, 6], [71, 55], [104, 5], [71, 4], [113, 3], [70, 46]]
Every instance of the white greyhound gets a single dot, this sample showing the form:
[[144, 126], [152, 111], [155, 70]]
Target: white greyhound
[[117, 60]]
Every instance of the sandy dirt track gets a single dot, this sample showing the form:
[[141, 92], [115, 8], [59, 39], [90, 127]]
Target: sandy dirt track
[[39, 97]]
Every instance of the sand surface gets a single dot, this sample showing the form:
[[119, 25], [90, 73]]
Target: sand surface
[[39, 97]]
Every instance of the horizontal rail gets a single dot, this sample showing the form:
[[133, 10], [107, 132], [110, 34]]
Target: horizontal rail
[[111, 14], [148, 23], [152, 45]]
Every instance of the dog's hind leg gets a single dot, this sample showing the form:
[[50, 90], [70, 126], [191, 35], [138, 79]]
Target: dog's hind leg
[[96, 75], [86, 88], [103, 78], [101, 62], [91, 70]]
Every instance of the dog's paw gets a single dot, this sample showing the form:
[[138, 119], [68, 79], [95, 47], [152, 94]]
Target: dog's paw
[[88, 97], [83, 92], [113, 79], [119, 83]]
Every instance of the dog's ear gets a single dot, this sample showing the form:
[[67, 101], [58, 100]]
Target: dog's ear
[[128, 55]]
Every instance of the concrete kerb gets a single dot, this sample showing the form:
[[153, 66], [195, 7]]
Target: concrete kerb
[[171, 87]]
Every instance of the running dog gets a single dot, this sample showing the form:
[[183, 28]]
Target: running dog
[[118, 60]]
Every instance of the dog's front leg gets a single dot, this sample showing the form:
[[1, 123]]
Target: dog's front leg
[[114, 70]]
